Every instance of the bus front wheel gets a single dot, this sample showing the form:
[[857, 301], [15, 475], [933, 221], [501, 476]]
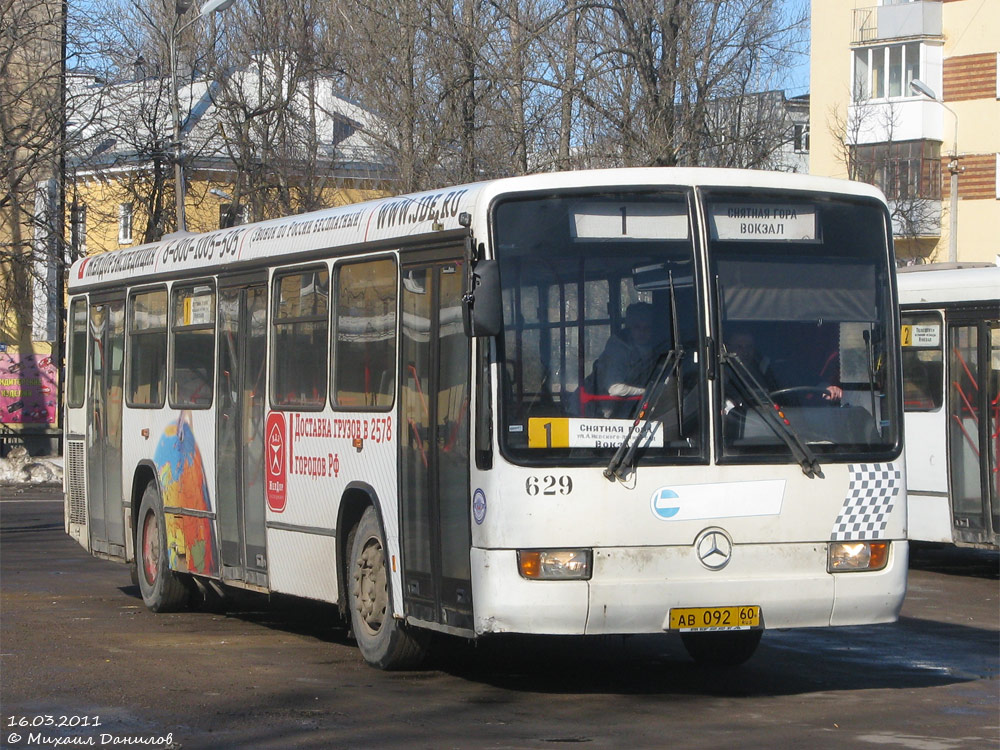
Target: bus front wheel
[[726, 649], [385, 642], [162, 589]]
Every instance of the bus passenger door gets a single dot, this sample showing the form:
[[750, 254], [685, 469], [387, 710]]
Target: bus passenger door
[[434, 447], [973, 425], [104, 433], [240, 431]]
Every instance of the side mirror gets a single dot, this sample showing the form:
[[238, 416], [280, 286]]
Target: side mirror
[[482, 309]]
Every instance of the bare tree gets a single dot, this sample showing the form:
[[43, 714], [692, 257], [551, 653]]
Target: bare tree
[[32, 125], [269, 93], [391, 70], [124, 134], [665, 66], [461, 90]]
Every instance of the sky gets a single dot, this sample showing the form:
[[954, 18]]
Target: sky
[[797, 80]]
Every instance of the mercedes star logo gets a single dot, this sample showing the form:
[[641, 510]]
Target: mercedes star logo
[[715, 548]]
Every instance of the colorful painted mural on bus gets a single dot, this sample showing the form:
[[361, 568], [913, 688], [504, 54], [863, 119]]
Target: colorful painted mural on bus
[[190, 538]]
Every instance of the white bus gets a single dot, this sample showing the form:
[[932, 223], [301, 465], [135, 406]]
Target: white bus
[[951, 368], [427, 410]]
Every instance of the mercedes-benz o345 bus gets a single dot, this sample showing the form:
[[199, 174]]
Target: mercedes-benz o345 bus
[[951, 398], [608, 402]]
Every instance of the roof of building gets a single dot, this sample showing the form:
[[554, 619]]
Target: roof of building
[[128, 124]]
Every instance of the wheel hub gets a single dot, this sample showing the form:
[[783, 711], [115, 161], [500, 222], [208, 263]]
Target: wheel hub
[[371, 592], [150, 547]]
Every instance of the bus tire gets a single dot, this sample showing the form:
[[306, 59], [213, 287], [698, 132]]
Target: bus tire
[[162, 589], [726, 649], [384, 641]]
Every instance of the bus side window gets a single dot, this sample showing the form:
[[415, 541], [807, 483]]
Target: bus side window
[[77, 353], [299, 343], [364, 339], [923, 368], [147, 371], [192, 376]]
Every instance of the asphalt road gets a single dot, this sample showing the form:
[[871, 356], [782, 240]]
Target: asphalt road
[[78, 647]]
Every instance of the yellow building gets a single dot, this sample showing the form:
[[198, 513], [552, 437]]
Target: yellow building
[[105, 212], [121, 177], [869, 121]]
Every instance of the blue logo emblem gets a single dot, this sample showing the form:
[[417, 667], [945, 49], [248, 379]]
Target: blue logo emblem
[[663, 503], [479, 506]]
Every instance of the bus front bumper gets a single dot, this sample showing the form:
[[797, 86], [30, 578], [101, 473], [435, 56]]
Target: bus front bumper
[[633, 589]]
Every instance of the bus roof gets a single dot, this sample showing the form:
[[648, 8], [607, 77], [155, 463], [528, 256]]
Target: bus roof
[[394, 218], [936, 285]]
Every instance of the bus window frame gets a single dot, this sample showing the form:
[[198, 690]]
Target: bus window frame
[[698, 245], [173, 327], [277, 274], [715, 194], [334, 323], [73, 357], [129, 344]]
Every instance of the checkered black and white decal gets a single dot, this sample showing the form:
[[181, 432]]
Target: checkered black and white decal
[[869, 500]]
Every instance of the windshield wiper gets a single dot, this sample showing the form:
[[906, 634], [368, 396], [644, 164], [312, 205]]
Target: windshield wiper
[[625, 454], [623, 457], [866, 335], [760, 398]]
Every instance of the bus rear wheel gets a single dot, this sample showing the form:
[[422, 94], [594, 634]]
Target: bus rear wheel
[[162, 589], [385, 642], [726, 649]]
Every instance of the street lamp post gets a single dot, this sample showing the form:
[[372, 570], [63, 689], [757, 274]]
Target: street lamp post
[[919, 87], [210, 7]]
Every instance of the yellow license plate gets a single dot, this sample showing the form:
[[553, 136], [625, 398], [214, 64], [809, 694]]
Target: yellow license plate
[[716, 618]]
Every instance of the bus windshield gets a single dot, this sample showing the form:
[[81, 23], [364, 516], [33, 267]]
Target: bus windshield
[[598, 290], [603, 323], [804, 310]]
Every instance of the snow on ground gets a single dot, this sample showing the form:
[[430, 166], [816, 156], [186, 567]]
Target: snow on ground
[[20, 468]]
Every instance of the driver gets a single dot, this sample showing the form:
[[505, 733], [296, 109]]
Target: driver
[[624, 366], [742, 344]]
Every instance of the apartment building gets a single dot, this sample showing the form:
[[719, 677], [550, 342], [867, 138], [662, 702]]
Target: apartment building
[[905, 95]]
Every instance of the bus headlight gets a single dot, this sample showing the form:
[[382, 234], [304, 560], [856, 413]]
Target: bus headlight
[[555, 564], [848, 556]]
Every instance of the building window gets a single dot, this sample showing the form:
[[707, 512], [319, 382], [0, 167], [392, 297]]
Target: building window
[[231, 215], [342, 130], [885, 72], [903, 170], [124, 223], [800, 138]]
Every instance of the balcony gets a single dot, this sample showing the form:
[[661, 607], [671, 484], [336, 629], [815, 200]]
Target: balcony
[[900, 21], [915, 218]]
